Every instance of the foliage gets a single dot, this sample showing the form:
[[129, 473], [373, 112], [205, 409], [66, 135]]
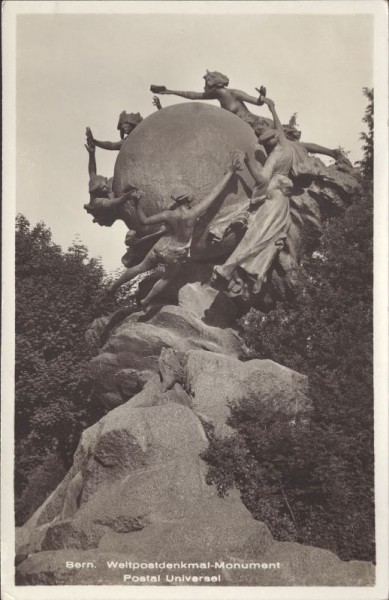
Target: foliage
[[312, 480], [58, 294], [367, 137], [293, 121], [40, 483]]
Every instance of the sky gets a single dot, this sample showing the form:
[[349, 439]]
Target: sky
[[78, 70]]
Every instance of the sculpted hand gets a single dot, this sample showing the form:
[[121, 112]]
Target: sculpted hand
[[158, 89], [157, 102], [90, 147], [89, 135], [269, 102], [134, 194], [238, 160], [262, 92]]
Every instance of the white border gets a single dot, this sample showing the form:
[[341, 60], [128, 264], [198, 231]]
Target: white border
[[377, 8]]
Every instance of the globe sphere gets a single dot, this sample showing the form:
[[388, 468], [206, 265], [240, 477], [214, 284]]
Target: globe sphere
[[186, 144]]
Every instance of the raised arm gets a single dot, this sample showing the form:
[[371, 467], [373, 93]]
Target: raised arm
[[92, 169], [243, 97], [237, 164], [276, 119], [157, 103]]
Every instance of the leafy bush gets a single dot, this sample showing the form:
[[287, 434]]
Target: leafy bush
[[313, 481], [58, 294]]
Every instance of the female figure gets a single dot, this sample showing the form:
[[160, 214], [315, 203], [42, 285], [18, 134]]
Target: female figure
[[232, 100], [173, 249], [246, 269], [285, 157]]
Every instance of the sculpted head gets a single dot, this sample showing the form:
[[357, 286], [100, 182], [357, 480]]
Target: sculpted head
[[127, 122], [181, 194], [100, 186], [102, 211], [267, 136], [292, 133], [214, 79]]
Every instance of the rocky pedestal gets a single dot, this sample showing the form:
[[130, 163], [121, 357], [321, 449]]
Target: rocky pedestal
[[137, 490]]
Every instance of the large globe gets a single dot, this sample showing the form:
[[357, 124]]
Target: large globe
[[191, 144]]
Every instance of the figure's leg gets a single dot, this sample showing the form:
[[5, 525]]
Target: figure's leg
[[171, 272], [149, 262]]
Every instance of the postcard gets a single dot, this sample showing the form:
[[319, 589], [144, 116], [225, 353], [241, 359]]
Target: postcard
[[195, 353]]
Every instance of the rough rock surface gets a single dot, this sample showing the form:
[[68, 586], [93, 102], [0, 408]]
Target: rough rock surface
[[131, 355], [137, 490]]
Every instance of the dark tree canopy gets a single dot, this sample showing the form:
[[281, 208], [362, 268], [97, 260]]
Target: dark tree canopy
[[57, 297], [314, 482]]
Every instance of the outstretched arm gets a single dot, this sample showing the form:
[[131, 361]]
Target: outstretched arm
[[120, 200], [105, 145], [316, 149], [109, 145], [203, 206], [189, 95], [162, 217]]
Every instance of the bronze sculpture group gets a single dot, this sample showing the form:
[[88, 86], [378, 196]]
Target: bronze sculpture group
[[266, 221]]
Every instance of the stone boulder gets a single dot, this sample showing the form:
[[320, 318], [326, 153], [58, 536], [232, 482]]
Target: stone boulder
[[130, 357], [137, 489]]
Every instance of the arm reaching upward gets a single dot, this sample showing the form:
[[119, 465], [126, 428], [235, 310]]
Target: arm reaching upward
[[243, 97], [237, 164], [157, 103], [276, 119], [92, 169]]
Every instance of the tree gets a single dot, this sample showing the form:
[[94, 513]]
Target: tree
[[314, 481], [367, 162], [58, 294]]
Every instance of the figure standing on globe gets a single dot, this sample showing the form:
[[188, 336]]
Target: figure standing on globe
[[230, 99]]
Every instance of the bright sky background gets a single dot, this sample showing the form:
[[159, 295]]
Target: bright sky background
[[79, 70]]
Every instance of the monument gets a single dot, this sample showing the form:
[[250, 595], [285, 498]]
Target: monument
[[228, 213]]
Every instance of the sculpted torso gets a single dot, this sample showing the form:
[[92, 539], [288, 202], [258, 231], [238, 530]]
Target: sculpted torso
[[229, 99]]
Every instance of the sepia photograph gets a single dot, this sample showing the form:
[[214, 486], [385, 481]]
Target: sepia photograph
[[194, 356]]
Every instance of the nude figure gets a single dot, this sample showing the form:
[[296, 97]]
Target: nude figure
[[230, 99], [173, 249]]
